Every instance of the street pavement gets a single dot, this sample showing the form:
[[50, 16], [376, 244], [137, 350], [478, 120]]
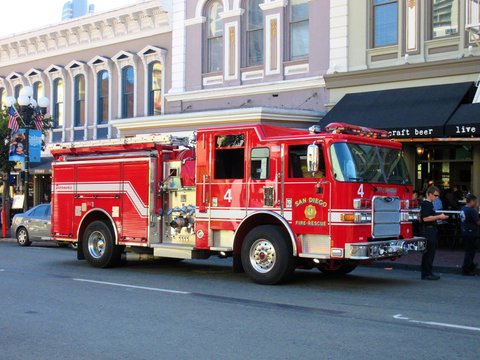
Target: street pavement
[[53, 306]]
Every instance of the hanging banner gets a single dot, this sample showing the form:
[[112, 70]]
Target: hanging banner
[[18, 146], [35, 145]]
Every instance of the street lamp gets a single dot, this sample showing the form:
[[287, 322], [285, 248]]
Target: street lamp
[[28, 110]]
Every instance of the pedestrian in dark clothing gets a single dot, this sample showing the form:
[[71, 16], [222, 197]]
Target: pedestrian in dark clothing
[[469, 225], [429, 220]]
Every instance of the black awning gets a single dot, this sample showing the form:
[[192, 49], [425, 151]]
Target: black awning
[[42, 167], [405, 113], [465, 122]]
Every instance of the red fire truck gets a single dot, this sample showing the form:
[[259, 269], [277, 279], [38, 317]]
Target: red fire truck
[[273, 198]]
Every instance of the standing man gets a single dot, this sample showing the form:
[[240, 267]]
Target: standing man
[[469, 224], [429, 220]]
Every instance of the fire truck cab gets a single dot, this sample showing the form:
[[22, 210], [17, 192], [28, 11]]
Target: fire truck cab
[[273, 198]]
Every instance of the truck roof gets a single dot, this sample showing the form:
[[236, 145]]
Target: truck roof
[[336, 131]]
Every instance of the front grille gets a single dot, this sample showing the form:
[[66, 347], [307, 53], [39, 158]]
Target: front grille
[[385, 217]]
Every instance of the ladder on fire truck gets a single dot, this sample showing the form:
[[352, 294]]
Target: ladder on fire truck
[[161, 139]]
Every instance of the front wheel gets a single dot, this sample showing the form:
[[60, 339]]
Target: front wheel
[[267, 255], [99, 246], [22, 237]]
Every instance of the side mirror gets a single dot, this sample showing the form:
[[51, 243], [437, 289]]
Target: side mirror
[[313, 156]]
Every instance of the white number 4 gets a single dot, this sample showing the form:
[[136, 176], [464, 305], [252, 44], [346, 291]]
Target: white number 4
[[228, 196], [360, 190]]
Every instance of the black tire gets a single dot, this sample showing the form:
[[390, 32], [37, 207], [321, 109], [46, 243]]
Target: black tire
[[339, 270], [99, 246], [267, 255], [22, 237]]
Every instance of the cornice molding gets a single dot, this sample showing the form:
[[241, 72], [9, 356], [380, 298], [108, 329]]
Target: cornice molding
[[435, 69], [248, 90], [223, 117], [136, 21]]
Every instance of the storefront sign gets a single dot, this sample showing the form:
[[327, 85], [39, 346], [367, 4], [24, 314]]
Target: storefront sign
[[415, 132]]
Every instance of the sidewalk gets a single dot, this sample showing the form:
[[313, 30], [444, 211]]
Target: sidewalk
[[446, 261]]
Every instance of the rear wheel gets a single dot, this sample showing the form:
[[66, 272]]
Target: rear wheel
[[267, 255], [99, 245], [22, 237], [337, 270]]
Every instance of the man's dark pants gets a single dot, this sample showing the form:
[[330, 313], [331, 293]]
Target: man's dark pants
[[470, 243], [431, 234]]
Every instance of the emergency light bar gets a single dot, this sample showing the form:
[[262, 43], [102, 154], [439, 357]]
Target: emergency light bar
[[342, 128], [161, 139]]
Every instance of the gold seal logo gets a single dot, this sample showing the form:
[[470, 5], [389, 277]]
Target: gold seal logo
[[310, 212]]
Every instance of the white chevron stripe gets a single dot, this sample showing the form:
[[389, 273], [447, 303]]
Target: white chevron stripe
[[104, 188]]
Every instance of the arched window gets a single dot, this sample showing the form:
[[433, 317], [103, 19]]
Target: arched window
[[102, 97], [57, 101], [254, 36], [79, 106], [16, 91], [155, 89], [38, 90], [3, 96], [299, 33], [214, 37], [128, 81]]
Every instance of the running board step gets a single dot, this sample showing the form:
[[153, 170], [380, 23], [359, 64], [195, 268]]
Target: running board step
[[178, 251]]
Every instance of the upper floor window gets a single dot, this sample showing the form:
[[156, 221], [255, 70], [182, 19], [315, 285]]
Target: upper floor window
[[17, 89], [254, 36], [3, 96], [299, 32], [128, 80], [79, 106], [155, 89], [57, 101], [385, 22], [38, 90], [214, 37], [445, 17], [102, 97]]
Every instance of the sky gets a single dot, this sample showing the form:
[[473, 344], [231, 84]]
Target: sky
[[22, 15]]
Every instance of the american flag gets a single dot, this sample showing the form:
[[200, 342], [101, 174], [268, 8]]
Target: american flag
[[13, 119], [38, 120]]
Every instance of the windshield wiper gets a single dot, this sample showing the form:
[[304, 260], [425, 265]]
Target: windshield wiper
[[355, 179]]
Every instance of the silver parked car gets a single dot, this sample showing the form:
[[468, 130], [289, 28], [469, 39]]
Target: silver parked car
[[33, 225]]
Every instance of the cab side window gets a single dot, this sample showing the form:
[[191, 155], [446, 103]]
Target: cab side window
[[260, 163], [230, 156], [297, 163]]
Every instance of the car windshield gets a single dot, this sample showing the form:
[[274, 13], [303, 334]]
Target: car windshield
[[366, 163]]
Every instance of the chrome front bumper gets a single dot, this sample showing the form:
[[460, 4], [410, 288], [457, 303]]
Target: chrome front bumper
[[383, 249]]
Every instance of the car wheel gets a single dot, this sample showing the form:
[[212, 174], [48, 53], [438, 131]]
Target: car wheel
[[99, 246], [22, 237], [267, 255]]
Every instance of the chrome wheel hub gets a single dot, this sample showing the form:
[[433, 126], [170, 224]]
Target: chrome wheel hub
[[262, 256], [96, 244]]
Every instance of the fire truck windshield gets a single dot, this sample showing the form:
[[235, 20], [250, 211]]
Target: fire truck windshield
[[366, 163]]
